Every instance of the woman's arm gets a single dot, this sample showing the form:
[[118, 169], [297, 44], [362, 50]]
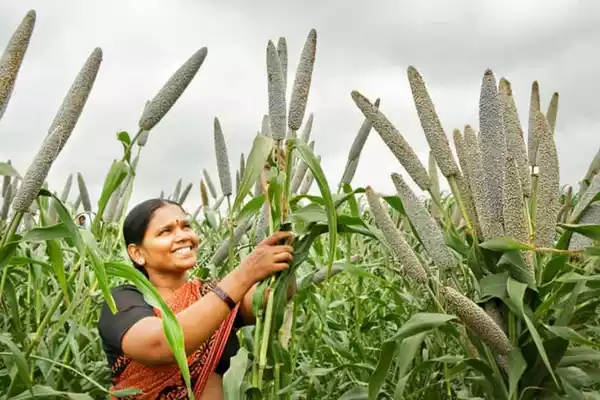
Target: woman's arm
[[145, 341]]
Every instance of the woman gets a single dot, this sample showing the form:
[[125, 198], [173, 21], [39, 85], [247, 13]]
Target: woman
[[161, 244]]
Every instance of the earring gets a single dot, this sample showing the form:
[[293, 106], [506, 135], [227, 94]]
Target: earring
[[141, 262]]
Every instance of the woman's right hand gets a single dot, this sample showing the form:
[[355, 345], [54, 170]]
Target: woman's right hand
[[268, 257]]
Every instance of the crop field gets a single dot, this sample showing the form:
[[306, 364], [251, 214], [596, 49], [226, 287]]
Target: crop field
[[490, 290]]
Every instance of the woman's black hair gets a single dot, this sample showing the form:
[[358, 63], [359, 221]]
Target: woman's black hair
[[136, 223]]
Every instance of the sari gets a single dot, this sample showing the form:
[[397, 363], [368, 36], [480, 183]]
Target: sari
[[165, 382]]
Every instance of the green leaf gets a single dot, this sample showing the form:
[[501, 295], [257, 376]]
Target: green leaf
[[309, 213], [378, 377], [417, 324], [357, 393], [396, 203], [126, 392], [354, 210], [57, 261], [99, 268], [571, 335], [513, 262], [307, 155], [123, 136], [516, 291], [406, 355], [40, 392], [23, 368], [171, 327], [591, 231], [7, 169], [592, 251], [250, 209], [255, 163], [505, 243], [420, 322], [234, 377], [117, 173], [493, 285], [65, 218], [516, 367], [44, 233]]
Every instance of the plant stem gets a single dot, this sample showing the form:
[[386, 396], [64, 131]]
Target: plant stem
[[266, 335], [10, 233], [231, 234], [461, 204]]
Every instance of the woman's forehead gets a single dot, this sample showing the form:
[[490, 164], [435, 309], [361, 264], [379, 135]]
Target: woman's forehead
[[167, 214]]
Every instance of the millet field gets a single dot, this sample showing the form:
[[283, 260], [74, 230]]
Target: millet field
[[490, 290]]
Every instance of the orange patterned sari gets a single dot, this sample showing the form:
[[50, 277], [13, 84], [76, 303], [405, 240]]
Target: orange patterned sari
[[166, 382]]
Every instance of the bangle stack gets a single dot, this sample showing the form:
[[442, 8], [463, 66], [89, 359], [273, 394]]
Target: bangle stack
[[225, 297]]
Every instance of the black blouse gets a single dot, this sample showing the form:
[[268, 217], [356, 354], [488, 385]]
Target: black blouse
[[131, 307]]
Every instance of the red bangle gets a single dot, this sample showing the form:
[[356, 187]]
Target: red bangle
[[225, 297]]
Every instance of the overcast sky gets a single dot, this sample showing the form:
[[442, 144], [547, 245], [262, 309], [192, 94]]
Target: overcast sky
[[365, 46]]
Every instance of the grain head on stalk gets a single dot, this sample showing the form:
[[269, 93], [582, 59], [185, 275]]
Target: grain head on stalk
[[242, 165], [552, 112], [203, 194], [276, 92], [515, 218], [307, 128], [76, 98], [461, 153], [282, 52], [426, 227], [401, 250], [349, 171], [492, 144], [585, 199], [361, 137], [515, 142], [393, 140], [548, 190], [184, 193], [223, 250], [84, 193], [209, 183], [6, 203], [591, 215], [6, 182], [463, 181], [432, 170], [308, 180], [300, 172], [38, 171], [432, 127], [222, 159], [302, 82], [171, 91], [67, 188], [12, 58], [143, 137], [534, 108], [265, 128], [476, 178], [177, 189], [477, 320]]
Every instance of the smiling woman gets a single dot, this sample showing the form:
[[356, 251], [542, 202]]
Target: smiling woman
[[162, 245]]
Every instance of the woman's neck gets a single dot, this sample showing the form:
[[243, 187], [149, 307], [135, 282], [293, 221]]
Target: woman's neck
[[166, 284]]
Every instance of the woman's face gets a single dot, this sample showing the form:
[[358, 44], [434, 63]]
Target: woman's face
[[169, 244]]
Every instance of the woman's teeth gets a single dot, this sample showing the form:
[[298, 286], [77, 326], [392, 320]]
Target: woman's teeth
[[183, 250]]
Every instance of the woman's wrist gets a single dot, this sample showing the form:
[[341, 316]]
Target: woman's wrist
[[236, 284]]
